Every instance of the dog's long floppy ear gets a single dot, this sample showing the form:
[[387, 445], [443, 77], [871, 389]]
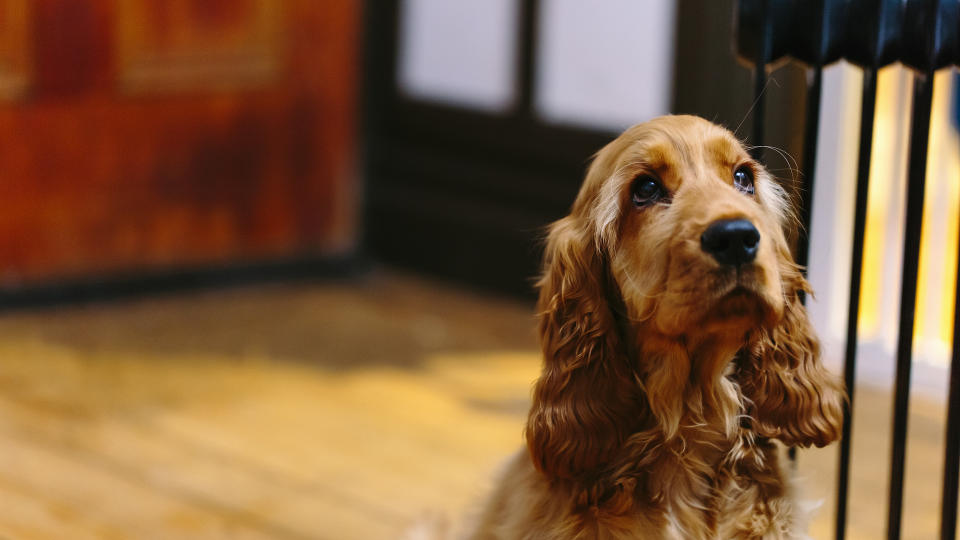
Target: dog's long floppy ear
[[795, 398], [582, 402]]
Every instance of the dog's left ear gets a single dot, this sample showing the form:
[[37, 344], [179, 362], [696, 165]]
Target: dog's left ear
[[795, 399]]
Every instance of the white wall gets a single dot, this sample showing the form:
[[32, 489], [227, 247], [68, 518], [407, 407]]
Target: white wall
[[602, 64], [459, 52], [605, 64]]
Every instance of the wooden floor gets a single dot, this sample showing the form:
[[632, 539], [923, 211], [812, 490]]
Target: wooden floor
[[325, 411]]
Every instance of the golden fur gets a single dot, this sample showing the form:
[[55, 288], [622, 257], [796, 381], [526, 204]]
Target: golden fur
[[667, 376]]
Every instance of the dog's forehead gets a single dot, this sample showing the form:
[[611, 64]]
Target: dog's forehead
[[672, 147], [677, 150]]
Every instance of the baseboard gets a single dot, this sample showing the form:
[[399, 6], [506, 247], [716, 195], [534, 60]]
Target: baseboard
[[156, 282]]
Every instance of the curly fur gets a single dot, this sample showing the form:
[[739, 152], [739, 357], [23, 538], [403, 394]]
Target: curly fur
[[667, 377]]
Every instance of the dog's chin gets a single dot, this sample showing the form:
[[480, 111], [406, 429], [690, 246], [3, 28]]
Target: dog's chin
[[731, 306], [737, 312]]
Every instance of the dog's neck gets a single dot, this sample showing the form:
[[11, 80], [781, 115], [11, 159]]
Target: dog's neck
[[692, 432], [686, 383]]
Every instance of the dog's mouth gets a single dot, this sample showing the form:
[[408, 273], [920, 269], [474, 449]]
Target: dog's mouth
[[739, 281]]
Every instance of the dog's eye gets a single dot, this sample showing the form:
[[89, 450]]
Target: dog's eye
[[743, 179], [646, 190]]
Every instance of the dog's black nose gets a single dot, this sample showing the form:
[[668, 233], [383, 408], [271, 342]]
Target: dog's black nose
[[731, 241]]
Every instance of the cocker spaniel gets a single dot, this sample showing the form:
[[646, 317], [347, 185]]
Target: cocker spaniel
[[676, 352]]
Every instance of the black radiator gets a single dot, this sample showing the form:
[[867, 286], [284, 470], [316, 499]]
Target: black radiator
[[925, 36]]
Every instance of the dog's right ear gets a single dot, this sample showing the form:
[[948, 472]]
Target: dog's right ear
[[583, 400]]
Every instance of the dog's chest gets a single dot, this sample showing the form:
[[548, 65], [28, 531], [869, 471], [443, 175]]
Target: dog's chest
[[741, 496]]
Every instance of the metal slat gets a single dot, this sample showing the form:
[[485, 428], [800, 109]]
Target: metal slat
[[919, 135], [812, 128], [951, 462], [764, 51], [867, 112]]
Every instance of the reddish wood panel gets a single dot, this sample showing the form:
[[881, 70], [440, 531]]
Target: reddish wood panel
[[224, 132], [14, 47]]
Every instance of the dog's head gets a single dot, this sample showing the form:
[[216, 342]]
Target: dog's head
[[673, 262], [692, 228]]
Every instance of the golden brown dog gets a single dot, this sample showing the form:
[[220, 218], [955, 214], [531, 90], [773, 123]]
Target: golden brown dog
[[676, 351]]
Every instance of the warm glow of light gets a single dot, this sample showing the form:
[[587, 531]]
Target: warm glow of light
[[883, 244], [887, 166], [938, 247]]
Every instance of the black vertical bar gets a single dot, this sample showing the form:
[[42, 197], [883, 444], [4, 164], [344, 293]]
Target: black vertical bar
[[756, 137], [867, 111], [764, 50], [808, 168], [919, 135], [951, 460], [528, 19]]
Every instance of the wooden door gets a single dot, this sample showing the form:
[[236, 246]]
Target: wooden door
[[147, 135]]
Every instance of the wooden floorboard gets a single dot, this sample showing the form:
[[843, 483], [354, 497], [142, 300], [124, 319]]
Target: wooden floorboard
[[327, 411]]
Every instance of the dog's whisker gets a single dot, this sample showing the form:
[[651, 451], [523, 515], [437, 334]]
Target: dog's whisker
[[770, 80], [792, 167]]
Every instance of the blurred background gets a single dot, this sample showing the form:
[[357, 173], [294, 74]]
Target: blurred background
[[266, 266]]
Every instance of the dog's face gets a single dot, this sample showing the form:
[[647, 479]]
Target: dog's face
[[692, 228]]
